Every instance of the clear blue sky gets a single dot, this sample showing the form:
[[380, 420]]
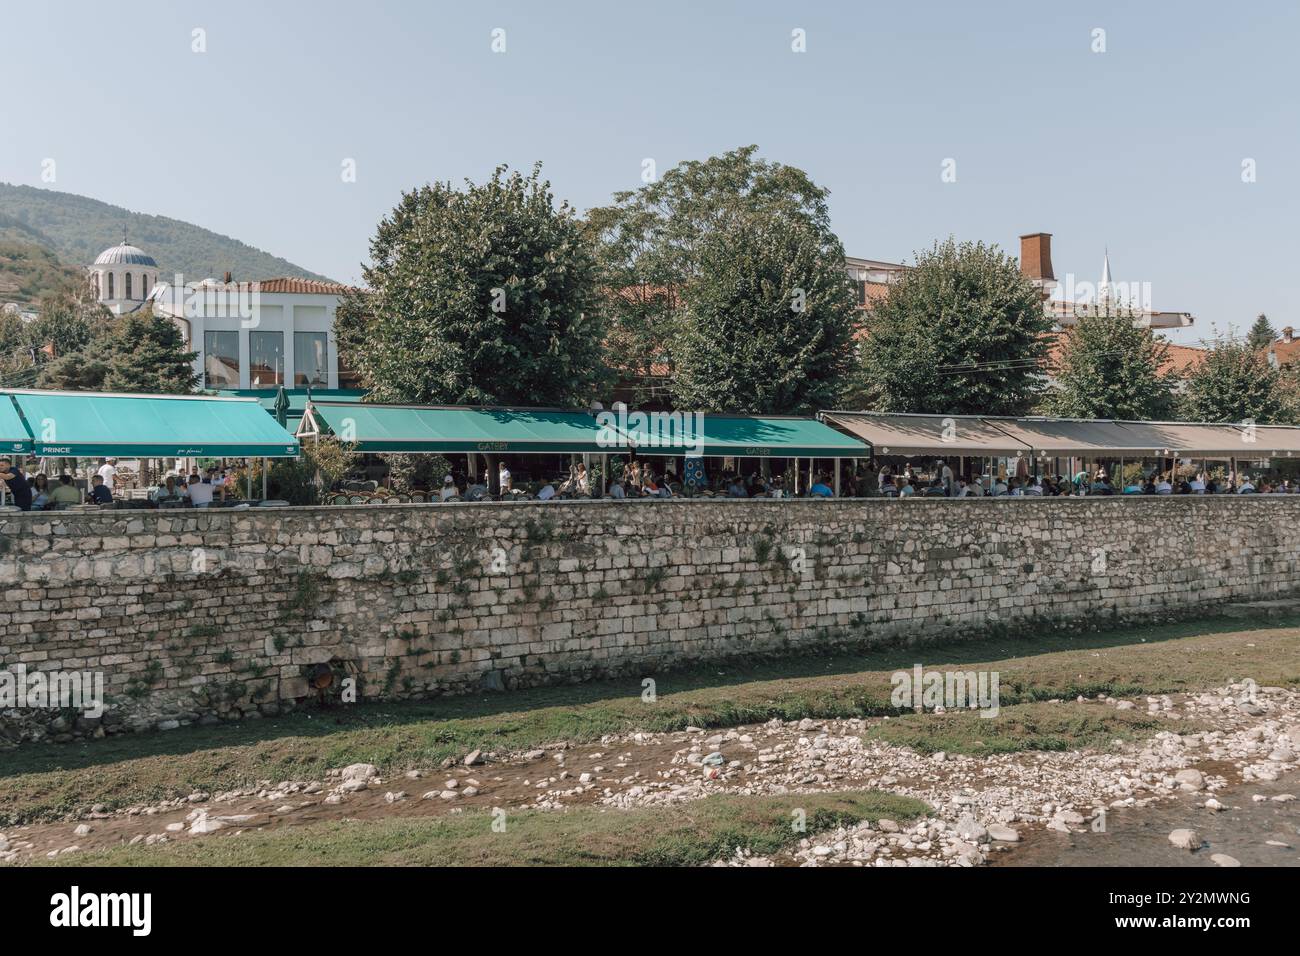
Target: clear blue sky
[[1138, 148]]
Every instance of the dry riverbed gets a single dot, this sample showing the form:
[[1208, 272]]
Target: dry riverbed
[[982, 803]]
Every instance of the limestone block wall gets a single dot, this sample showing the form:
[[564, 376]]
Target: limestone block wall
[[203, 615]]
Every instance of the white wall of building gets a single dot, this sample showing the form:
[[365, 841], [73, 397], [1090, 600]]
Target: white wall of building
[[273, 317]]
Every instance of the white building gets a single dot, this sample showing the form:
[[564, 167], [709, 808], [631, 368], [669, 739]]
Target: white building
[[259, 335], [122, 277]]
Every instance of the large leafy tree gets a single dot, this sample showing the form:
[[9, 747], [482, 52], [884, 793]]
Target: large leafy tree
[[67, 322], [1111, 368], [1236, 383], [962, 332], [1261, 334], [768, 320], [484, 295], [146, 353], [655, 241], [74, 372]]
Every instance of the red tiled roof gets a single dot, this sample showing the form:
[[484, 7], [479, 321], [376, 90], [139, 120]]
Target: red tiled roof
[[1287, 352], [1183, 358], [283, 284]]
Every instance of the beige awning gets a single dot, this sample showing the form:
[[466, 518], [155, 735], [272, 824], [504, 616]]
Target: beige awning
[[915, 435], [1176, 438], [1270, 441], [1060, 437]]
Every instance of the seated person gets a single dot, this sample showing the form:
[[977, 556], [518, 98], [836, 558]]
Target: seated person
[[547, 492], [449, 489], [166, 490], [616, 490], [65, 492], [820, 489], [200, 492], [99, 492], [736, 488]]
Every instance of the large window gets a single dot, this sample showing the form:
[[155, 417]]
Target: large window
[[265, 359], [309, 359], [221, 359], [110, 286]]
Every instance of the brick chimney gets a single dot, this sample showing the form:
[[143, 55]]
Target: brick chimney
[[1036, 261], [1288, 334], [1036, 256], [228, 278]]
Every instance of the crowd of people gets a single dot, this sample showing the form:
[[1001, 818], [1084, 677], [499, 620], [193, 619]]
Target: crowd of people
[[941, 483], [40, 492]]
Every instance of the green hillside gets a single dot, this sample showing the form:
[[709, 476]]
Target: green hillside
[[29, 270], [78, 228]]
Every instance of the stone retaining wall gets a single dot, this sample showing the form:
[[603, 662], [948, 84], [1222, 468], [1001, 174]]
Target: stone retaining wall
[[203, 615]]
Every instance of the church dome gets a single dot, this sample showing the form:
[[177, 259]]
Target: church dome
[[125, 255]]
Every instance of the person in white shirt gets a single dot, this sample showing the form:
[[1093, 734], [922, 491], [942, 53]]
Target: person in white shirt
[[504, 474], [945, 476], [1246, 486], [449, 489], [975, 489], [1163, 487], [1198, 485], [547, 492], [108, 471], [199, 493]]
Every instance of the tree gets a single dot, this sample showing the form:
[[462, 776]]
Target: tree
[[1111, 368], [963, 332], [146, 353], [1261, 334], [307, 479], [479, 296], [75, 372], [654, 241], [67, 322], [768, 320], [1236, 383], [70, 321]]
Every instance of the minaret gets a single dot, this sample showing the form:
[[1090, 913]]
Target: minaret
[[1104, 288]]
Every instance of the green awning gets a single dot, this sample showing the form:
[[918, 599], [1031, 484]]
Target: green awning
[[744, 436], [423, 428], [14, 438], [97, 424]]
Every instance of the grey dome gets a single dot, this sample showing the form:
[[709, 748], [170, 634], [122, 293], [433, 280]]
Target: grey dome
[[125, 255]]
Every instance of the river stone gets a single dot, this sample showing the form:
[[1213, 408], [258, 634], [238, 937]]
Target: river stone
[[1222, 859], [1190, 779], [1003, 833], [1185, 839], [969, 829]]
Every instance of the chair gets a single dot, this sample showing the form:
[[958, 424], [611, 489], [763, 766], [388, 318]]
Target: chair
[[355, 499]]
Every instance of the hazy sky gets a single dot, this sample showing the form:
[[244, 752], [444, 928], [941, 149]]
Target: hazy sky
[[1139, 148]]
